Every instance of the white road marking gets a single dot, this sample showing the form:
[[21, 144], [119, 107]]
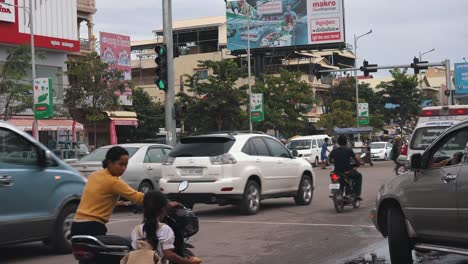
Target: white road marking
[[259, 223]]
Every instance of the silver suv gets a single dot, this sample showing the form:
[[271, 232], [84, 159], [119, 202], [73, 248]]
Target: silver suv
[[426, 208], [236, 168]]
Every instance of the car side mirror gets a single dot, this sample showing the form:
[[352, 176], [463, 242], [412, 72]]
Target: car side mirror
[[44, 158], [295, 153], [416, 161]]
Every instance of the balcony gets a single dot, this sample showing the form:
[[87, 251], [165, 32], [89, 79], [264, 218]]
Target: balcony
[[87, 6], [85, 44]]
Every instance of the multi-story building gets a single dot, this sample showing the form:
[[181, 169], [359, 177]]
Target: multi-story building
[[206, 39]]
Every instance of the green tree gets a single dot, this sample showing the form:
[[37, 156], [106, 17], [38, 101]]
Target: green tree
[[150, 115], [215, 103], [402, 91], [286, 101], [342, 115], [93, 87], [15, 94]]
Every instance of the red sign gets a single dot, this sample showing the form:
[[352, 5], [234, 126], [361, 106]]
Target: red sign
[[115, 51], [10, 33]]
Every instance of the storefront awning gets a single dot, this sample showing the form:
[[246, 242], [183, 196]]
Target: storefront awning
[[46, 125], [123, 118]]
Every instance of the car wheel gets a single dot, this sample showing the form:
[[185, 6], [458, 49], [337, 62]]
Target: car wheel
[[62, 229], [398, 240], [305, 192], [250, 203], [145, 187], [316, 162]]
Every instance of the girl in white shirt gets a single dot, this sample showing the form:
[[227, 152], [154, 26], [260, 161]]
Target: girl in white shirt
[[159, 235]]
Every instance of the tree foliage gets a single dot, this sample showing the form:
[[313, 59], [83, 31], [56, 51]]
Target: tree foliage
[[92, 87], [150, 115], [286, 101], [402, 91], [342, 115], [15, 92], [216, 103]]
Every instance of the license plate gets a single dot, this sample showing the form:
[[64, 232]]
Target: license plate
[[191, 172], [334, 186]]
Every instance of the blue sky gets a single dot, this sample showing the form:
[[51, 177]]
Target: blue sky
[[401, 28]]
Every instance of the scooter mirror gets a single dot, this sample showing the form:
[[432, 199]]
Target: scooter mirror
[[183, 186]]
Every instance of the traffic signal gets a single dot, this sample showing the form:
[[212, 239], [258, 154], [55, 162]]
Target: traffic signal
[[160, 78], [416, 67], [365, 68]]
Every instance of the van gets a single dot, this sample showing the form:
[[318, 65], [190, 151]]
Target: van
[[39, 192], [432, 122], [310, 147]]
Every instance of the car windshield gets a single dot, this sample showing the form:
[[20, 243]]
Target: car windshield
[[80, 146], [100, 154], [424, 136], [377, 145], [299, 144], [202, 147]]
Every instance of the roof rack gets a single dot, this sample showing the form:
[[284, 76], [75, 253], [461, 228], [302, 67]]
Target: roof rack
[[229, 132]]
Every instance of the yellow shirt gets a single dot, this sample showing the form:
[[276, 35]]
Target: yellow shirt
[[101, 195]]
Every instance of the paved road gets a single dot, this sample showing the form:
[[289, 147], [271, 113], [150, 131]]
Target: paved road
[[280, 232]]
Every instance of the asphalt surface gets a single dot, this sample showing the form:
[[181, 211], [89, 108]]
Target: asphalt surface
[[281, 232]]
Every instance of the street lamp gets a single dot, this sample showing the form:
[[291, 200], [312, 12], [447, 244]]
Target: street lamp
[[420, 59], [30, 10], [356, 38]]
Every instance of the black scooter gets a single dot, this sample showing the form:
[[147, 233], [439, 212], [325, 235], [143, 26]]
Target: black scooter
[[341, 189], [111, 249]]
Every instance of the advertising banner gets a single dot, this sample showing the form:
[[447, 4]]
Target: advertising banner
[[43, 98], [363, 112], [256, 108], [7, 11], [115, 51], [461, 78], [284, 23]]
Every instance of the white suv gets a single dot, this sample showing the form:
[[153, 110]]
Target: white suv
[[236, 168]]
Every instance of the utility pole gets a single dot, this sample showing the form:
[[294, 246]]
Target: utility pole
[[32, 9], [420, 59], [250, 71], [171, 133]]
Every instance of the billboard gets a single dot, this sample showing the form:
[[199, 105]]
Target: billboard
[[461, 78], [283, 23], [115, 51]]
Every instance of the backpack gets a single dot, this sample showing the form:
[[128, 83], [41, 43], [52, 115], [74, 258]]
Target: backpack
[[144, 254]]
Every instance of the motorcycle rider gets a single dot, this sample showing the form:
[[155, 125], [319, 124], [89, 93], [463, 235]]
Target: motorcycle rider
[[341, 158]]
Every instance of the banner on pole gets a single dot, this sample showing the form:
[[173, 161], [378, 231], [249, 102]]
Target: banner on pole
[[363, 113], [256, 108], [43, 99]]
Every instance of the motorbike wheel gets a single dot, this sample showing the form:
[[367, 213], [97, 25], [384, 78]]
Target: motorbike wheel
[[250, 203], [305, 192], [398, 240], [338, 201]]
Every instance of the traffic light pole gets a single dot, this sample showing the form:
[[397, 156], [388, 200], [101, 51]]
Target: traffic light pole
[[171, 133]]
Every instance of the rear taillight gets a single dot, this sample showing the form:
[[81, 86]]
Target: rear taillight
[[168, 160], [223, 159], [334, 177], [461, 111], [430, 113], [81, 253]]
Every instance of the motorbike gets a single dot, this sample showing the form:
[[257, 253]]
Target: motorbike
[[341, 189], [111, 249]]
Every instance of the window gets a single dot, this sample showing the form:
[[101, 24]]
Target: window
[[277, 149], [260, 146], [202, 147], [299, 144], [249, 149], [15, 149], [424, 136], [100, 154], [450, 150], [154, 155], [314, 143], [202, 74]]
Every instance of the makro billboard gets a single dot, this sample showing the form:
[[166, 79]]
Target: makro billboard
[[461, 78], [283, 23]]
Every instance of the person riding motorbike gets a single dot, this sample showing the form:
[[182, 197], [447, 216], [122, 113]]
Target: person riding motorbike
[[341, 158], [157, 234]]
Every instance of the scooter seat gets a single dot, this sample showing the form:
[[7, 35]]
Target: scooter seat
[[114, 241]]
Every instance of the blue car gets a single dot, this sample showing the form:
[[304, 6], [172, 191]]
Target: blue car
[[39, 193]]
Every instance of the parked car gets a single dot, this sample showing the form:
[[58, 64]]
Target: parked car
[[380, 150], [144, 166], [426, 207], [310, 147], [39, 192], [236, 168], [71, 150]]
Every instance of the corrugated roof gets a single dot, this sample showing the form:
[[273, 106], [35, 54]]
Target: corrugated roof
[[196, 23]]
